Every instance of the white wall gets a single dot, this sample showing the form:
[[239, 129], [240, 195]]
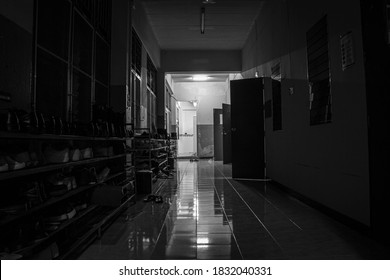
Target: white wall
[[326, 163], [201, 61], [210, 95]]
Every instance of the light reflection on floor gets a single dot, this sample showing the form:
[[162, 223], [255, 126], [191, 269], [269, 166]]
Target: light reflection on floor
[[207, 215]]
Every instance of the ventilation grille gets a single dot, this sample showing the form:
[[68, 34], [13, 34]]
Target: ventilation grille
[[319, 73]]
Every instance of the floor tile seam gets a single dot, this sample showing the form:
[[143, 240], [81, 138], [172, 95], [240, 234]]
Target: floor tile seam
[[270, 203], [224, 212], [251, 210], [162, 226], [278, 209]]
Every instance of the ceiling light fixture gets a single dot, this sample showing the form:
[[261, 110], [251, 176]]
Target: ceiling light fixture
[[202, 20], [200, 78]]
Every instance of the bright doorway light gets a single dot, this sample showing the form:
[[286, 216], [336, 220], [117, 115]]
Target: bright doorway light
[[200, 78]]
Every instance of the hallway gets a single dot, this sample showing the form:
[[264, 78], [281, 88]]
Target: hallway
[[207, 215]]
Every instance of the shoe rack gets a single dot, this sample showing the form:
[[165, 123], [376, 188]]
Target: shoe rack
[[160, 158], [172, 152], [51, 209], [151, 154]]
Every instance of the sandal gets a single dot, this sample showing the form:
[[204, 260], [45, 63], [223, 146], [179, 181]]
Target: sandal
[[158, 199], [150, 198]]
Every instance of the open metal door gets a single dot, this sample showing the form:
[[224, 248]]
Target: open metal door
[[227, 133], [218, 133], [247, 122]]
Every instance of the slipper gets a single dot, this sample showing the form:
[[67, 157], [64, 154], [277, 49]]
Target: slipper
[[150, 198], [158, 199]]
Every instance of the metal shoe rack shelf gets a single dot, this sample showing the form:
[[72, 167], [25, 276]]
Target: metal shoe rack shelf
[[150, 153], [17, 236]]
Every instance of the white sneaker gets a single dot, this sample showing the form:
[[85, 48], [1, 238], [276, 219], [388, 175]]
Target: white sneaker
[[75, 155], [86, 153], [56, 156], [15, 165], [3, 165]]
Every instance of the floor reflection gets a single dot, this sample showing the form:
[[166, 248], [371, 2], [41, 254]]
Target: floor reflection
[[207, 215]]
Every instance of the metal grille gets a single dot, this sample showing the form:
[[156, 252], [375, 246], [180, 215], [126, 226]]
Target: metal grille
[[86, 7], [319, 73], [103, 18]]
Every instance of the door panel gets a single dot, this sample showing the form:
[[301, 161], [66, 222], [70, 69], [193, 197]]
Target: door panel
[[227, 134], [247, 122], [218, 132]]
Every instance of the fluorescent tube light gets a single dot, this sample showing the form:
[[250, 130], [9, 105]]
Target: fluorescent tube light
[[200, 78]]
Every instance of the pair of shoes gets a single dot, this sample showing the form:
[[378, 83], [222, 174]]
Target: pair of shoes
[[154, 198], [59, 184], [29, 159], [86, 176], [158, 199], [86, 153], [56, 154], [3, 164], [14, 164], [149, 198], [102, 176], [74, 154]]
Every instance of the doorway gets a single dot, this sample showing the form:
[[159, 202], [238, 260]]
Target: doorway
[[247, 129], [187, 143]]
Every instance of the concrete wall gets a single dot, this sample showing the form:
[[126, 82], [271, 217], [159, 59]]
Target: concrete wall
[[210, 95], [201, 61], [327, 163]]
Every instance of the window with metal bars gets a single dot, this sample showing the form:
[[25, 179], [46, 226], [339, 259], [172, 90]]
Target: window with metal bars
[[168, 94], [86, 7], [319, 73], [151, 74], [136, 53], [103, 18], [72, 80]]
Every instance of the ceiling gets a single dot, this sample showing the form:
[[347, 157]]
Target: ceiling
[[214, 77], [176, 23]]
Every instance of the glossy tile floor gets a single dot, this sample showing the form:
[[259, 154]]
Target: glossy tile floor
[[207, 215]]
